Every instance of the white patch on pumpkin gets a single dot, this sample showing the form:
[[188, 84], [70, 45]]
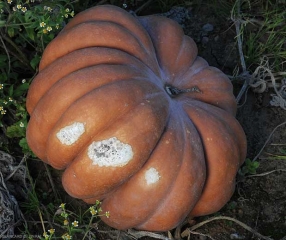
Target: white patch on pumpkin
[[152, 176], [110, 153], [70, 134]]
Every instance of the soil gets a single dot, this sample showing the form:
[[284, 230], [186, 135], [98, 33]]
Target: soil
[[259, 200]]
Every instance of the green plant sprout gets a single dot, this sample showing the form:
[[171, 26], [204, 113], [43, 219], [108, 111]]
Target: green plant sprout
[[249, 167], [71, 223]]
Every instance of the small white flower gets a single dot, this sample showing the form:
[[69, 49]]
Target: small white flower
[[75, 223], [51, 231], [3, 112]]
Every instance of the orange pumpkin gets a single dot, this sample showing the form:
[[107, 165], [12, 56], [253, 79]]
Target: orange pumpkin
[[136, 119]]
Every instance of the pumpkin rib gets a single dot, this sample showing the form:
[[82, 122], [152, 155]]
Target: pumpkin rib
[[74, 61], [95, 129], [168, 207], [58, 98], [163, 30], [106, 13], [219, 95], [211, 199], [186, 44], [99, 175], [194, 69], [96, 34], [238, 133]]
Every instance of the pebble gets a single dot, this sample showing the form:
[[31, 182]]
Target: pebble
[[208, 27], [236, 236], [205, 40]]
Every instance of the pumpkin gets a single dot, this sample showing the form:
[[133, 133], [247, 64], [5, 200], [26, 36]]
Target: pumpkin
[[136, 119]]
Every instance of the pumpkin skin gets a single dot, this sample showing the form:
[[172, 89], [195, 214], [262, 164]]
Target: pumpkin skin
[[135, 119]]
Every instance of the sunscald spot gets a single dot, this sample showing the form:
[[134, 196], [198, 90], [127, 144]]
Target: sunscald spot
[[70, 134], [152, 176], [110, 153]]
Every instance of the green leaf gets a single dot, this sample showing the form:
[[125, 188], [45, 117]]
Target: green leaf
[[28, 16], [35, 61], [30, 33], [255, 164], [2, 23], [25, 147], [22, 89], [3, 58], [3, 77], [11, 90], [11, 32], [15, 131]]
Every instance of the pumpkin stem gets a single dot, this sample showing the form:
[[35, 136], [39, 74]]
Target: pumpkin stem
[[173, 91]]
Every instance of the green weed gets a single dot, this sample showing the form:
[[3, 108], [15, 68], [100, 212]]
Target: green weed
[[26, 27], [249, 167], [263, 30]]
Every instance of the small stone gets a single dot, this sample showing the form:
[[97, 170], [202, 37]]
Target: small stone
[[236, 236], [208, 27], [205, 40]]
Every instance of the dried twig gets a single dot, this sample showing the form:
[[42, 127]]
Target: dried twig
[[237, 23], [139, 234], [266, 173], [268, 139], [201, 234], [189, 230], [142, 6], [51, 181]]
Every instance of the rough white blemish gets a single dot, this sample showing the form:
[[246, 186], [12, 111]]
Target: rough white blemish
[[152, 176], [110, 153], [209, 139], [70, 134]]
